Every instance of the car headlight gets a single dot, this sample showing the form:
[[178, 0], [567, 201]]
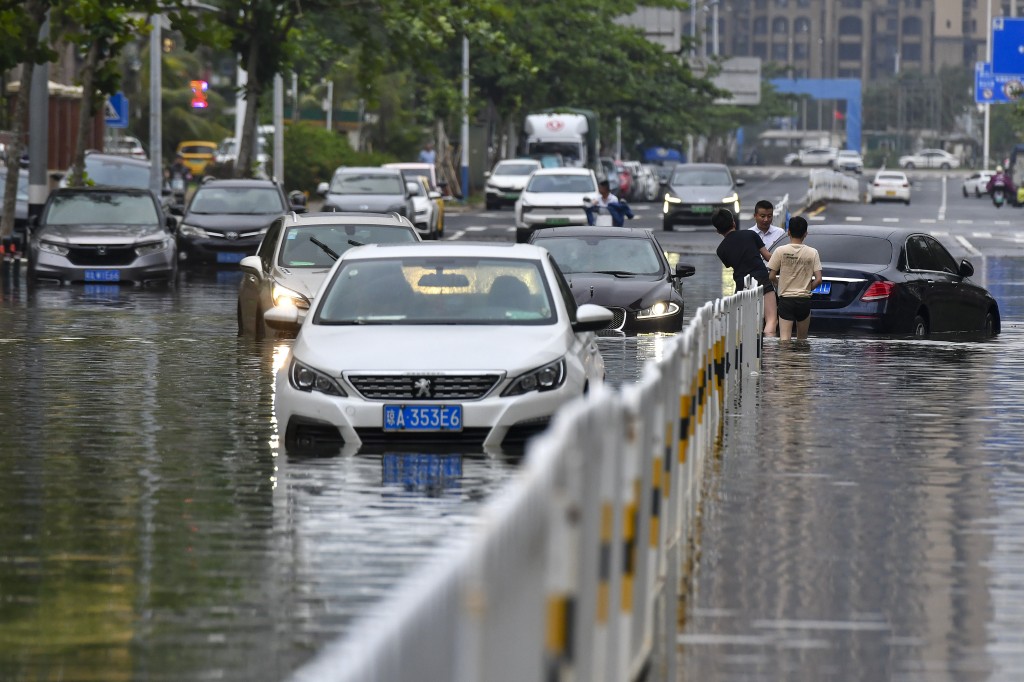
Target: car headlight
[[53, 248], [153, 247], [192, 231], [732, 198], [546, 378], [669, 199], [284, 295], [305, 378], [659, 309]]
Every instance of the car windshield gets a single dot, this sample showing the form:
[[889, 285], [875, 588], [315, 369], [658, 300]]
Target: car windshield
[[197, 149], [411, 174], [695, 177], [237, 200], [850, 248], [22, 194], [300, 251], [557, 184], [891, 177], [603, 254], [99, 208], [429, 290], [367, 183], [116, 174], [514, 168]]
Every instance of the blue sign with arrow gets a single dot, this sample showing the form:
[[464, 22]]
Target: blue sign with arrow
[[995, 88], [116, 111]]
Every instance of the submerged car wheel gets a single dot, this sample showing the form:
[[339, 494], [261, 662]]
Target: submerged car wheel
[[965, 191], [920, 326], [260, 327], [238, 317], [991, 326]]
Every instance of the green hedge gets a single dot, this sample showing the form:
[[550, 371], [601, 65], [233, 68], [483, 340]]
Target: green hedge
[[312, 154]]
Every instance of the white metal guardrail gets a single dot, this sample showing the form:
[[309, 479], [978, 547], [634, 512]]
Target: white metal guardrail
[[576, 569], [780, 216], [826, 184]]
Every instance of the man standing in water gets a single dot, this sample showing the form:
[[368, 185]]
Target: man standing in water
[[795, 270], [743, 251]]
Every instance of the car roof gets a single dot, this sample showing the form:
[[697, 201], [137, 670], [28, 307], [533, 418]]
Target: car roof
[[119, 159], [202, 143], [563, 170], [120, 189], [701, 166], [593, 231], [238, 182], [348, 218], [897, 234], [364, 169], [409, 165], [459, 249], [521, 159]]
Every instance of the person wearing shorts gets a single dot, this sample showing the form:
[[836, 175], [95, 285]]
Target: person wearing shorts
[[795, 270], [744, 252]]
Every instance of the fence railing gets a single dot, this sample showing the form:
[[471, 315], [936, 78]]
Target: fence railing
[[575, 570], [832, 185]]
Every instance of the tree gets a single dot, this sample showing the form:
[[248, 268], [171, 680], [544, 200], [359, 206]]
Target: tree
[[20, 25]]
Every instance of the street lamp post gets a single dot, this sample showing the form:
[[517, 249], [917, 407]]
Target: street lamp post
[[156, 175], [988, 58]]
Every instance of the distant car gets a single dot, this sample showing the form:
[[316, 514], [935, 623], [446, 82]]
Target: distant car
[[498, 348], [113, 170], [226, 219], [506, 181], [889, 186], [427, 214], [368, 190], [646, 179], [849, 160], [609, 172], [929, 158], [289, 266], [977, 183], [817, 156], [436, 189], [897, 281], [20, 204], [126, 145], [102, 236], [696, 190], [197, 154], [553, 197], [623, 269], [227, 152], [791, 159]]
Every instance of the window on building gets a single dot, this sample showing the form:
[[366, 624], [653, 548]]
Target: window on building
[[850, 4], [760, 4], [760, 50], [780, 52], [849, 52], [849, 73], [781, 4], [912, 26], [780, 26], [850, 26], [760, 26], [911, 52], [801, 25], [800, 51]]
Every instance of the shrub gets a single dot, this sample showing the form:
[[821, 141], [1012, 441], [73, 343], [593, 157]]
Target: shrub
[[312, 154]]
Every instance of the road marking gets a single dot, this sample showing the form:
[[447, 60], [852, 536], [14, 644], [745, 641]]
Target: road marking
[[817, 210], [942, 206], [968, 247], [982, 235], [488, 215], [853, 218], [457, 234], [746, 216], [1001, 222], [965, 222], [890, 220], [819, 218], [929, 221], [936, 233], [475, 228]]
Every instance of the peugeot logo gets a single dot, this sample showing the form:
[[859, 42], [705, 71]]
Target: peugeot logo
[[101, 250], [364, 207], [421, 388], [231, 235]]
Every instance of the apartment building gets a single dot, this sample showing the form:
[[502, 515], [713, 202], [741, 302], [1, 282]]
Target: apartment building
[[865, 39]]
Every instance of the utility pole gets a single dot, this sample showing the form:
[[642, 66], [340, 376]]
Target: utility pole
[[465, 118], [988, 58], [156, 165], [38, 130]]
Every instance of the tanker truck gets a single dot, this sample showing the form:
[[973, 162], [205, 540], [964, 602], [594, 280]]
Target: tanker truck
[[570, 133]]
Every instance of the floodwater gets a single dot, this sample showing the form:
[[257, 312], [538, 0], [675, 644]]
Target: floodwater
[[152, 528], [863, 515]]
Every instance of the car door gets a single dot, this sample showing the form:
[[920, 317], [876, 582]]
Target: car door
[[932, 285], [584, 346], [254, 293], [968, 302]]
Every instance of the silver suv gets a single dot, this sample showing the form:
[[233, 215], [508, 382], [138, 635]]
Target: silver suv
[[368, 190]]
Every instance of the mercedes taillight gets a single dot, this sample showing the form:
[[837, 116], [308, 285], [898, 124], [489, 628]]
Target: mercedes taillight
[[878, 291]]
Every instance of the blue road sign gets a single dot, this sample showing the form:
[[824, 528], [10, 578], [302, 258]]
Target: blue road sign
[[116, 110], [1008, 45], [996, 88]]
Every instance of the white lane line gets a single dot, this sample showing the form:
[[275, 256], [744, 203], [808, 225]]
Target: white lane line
[[457, 234], [968, 247], [834, 625], [775, 175], [936, 233], [965, 222], [819, 218], [853, 219], [488, 215], [475, 228], [746, 216], [929, 221], [890, 220], [1001, 222], [982, 235], [942, 206]]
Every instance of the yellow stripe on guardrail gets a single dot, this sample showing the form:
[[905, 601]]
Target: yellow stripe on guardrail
[[655, 535], [559, 623], [629, 549], [605, 563]]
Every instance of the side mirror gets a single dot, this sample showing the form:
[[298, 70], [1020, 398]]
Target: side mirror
[[411, 189], [685, 270], [252, 265], [590, 318], [322, 188], [487, 174], [966, 269], [434, 194], [283, 318], [171, 222], [740, 182]]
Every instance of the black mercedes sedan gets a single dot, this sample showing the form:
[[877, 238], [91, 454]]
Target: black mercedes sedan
[[623, 269], [895, 280]]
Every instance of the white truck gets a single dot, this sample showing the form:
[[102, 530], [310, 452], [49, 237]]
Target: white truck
[[569, 133]]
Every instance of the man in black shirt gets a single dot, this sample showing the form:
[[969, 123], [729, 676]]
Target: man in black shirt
[[744, 252]]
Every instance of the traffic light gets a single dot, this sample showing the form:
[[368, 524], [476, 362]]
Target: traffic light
[[199, 89]]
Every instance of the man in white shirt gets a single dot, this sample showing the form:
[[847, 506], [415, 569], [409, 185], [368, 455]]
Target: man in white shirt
[[606, 218], [764, 213]]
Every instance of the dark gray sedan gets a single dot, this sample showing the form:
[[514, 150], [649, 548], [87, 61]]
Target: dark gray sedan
[[696, 190]]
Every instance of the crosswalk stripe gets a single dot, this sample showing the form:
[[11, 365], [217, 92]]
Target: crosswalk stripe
[[475, 228], [985, 235], [853, 218], [929, 221], [890, 220]]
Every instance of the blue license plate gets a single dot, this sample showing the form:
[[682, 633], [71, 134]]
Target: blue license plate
[[421, 471], [102, 290], [229, 257], [823, 288], [423, 417], [102, 275]]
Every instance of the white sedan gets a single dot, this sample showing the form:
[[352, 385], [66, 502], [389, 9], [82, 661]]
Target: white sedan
[[930, 158], [436, 341], [889, 186], [554, 197], [977, 183], [507, 180]]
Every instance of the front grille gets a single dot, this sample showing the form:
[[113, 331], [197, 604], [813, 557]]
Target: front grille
[[618, 318], [423, 387], [374, 439], [101, 255]]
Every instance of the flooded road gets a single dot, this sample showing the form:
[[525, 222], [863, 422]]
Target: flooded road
[[152, 528], [863, 518]]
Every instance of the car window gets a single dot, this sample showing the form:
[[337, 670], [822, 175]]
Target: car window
[[22, 191], [367, 183], [848, 248], [196, 149], [108, 172], [102, 208], [891, 177], [269, 244], [563, 288], [603, 254], [514, 169], [920, 255], [414, 173], [709, 177], [427, 290], [944, 262], [554, 184], [237, 200], [298, 250]]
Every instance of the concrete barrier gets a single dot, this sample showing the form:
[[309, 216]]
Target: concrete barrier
[[830, 185]]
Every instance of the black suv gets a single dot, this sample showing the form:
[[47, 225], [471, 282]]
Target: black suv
[[226, 219]]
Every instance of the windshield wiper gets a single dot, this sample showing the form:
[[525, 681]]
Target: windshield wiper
[[326, 249], [617, 273], [353, 242]]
